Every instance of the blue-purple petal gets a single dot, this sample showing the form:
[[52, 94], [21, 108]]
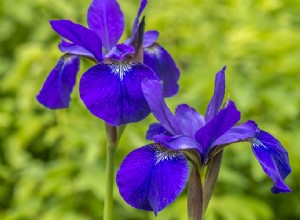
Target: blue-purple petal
[[189, 120], [112, 91], [177, 142], [218, 126], [155, 129], [79, 35], [150, 37], [150, 177], [59, 84], [217, 99], [74, 49], [157, 58], [242, 132], [136, 21], [273, 158], [119, 51], [153, 92], [107, 20]]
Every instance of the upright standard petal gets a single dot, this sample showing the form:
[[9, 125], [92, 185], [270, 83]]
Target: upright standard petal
[[273, 158], [150, 37], [112, 91], [242, 132], [157, 58], [59, 84], [190, 121], [74, 49], [217, 99], [154, 95], [79, 35], [151, 177], [107, 20], [218, 126], [136, 21]]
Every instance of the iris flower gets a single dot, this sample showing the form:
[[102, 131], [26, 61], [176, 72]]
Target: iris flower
[[151, 177], [111, 90]]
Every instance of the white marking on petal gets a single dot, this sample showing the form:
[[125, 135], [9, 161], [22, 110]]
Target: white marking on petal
[[120, 67], [164, 154], [153, 50], [68, 58], [257, 143]]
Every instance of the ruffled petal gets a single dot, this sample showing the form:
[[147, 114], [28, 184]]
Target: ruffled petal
[[136, 21], [177, 142], [155, 129], [243, 132], [218, 126], [154, 95], [107, 20], [190, 121], [74, 49], [79, 35], [150, 177], [59, 84], [150, 37], [273, 158], [217, 99], [112, 91], [119, 51], [157, 58]]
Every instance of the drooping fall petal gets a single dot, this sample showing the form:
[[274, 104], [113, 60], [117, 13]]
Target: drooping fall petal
[[273, 158], [151, 177], [59, 84], [112, 91], [157, 58]]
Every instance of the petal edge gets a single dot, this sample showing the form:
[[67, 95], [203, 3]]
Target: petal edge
[[55, 93]]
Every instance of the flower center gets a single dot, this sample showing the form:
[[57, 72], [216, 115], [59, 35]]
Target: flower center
[[162, 154], [121, 67]]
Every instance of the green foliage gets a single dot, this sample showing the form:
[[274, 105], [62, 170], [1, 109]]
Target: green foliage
[[52, 163]]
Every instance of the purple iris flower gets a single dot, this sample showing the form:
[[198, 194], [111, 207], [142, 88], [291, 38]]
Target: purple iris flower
[[111, 90], [151, 177]]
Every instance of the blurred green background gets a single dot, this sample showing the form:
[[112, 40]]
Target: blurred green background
[[52, 163]]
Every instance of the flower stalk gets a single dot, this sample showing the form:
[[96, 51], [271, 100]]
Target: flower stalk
[[195, 195], [211, 178], [112, 141]]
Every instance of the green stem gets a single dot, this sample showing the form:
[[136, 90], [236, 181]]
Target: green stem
[[111, 134], [108, 202], [211, 178], [195, 195]]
